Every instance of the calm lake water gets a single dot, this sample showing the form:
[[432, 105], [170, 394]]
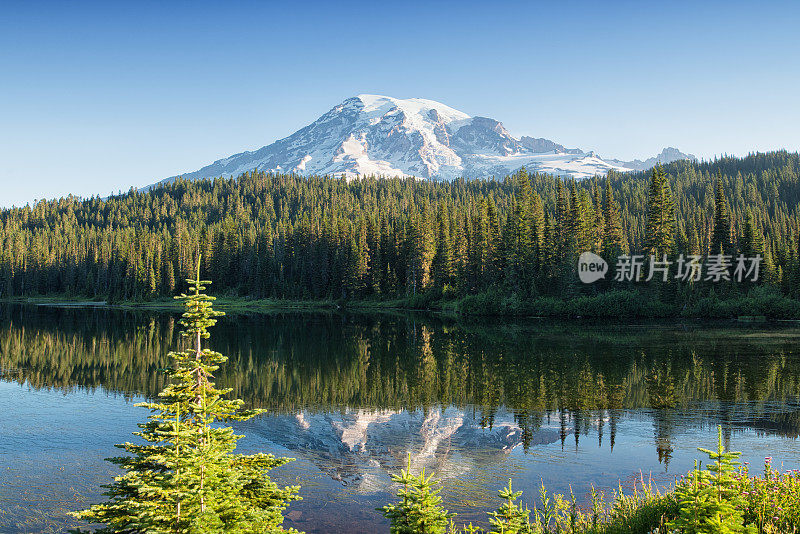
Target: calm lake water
[[350, 397]]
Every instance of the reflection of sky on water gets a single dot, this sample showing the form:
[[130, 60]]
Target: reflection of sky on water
[[53, 445], [353, 396]]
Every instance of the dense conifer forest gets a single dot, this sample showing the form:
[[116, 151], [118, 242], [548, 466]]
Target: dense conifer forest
[[491, 246]]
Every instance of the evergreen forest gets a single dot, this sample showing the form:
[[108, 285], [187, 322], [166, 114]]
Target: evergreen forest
[[495, 246]]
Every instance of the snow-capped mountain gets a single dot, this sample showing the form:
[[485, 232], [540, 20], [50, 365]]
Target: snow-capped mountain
[[384, 136]]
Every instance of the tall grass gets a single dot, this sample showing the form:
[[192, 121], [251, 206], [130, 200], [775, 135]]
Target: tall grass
[[724, 498]]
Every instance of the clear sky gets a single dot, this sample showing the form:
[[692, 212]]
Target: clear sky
[[98, 97]]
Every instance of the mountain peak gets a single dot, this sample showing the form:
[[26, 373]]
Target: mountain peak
[[673, 154], [381, 135], [667, 155], [380, 104]]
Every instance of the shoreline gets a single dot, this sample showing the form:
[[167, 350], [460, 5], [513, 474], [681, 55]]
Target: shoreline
[[442, 308], [233, 304]]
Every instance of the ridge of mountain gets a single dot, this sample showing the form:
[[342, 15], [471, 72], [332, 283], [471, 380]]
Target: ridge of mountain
[[384, 136]]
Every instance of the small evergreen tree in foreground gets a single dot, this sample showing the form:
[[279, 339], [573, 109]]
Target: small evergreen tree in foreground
[[512, 517], [419, 510], [710, 500], [186, 478]]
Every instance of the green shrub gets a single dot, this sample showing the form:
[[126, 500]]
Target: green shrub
[[721, 499]]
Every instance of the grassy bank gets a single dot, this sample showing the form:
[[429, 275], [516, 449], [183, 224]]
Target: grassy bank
[[759, 303], [228, 304], [722, 498]]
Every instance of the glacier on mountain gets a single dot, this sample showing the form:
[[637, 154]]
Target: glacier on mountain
[[384, 136]]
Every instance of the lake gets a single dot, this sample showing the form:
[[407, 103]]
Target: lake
[[350, 397]]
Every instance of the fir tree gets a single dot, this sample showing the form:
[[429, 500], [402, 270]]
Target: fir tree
[[709, 502], [752, 241], [519, 233], [586, 238], [517, 245], [559, 237], [355, 271], [660, 229], [422, 247], [550, 256], [443, 261], [511, 517], [185, 477], [375, 261], [576, 224], [419, 510], [478, 248], [613, 240], [363, 256], [721, 238], [537, 230], [598, 226], [493, 244]]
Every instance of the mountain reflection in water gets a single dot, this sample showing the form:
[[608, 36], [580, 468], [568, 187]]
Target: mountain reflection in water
[[351, 396]]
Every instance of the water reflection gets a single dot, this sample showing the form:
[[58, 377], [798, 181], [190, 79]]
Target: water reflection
[[352, 396], [324, 362]]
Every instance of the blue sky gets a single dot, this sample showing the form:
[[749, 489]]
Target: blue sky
[[98, 97]]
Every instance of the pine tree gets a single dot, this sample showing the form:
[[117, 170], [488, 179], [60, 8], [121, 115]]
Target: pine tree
[[419, 510], [579, 229], [575, 222], [494, 246], [422, 247], [375, 260], [363, 257], [721, 238], [660, 229], [613, 240], [169, 276], [752, 244], [550, 255], [151, 280], [562, 220], [461, 250], [709, 501], [587, 236], [388, 257], [186, 478], [511, 517], [537, 220], [478, 248], [443, 261], [752, 241], [519, 239], [598, 225], [286, 236], [517, 234], [353, 283]]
